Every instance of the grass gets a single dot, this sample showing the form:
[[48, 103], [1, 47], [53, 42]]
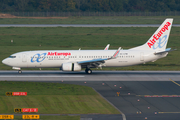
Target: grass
[[60, 38], [52, 118], [93, 20], [53, 98], [35, 88]]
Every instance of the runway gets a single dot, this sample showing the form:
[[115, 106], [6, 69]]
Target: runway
[[151, 95], [95, 76], [83, 25]]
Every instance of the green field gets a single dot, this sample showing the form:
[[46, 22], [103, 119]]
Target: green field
[[93, 20], [52, 117], [53, 98], [60, 38]]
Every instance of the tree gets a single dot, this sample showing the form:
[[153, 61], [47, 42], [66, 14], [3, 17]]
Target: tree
[[21, 5], [90, 5]]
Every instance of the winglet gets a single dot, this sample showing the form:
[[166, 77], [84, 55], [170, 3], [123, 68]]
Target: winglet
[[116, 53], [107, 47]]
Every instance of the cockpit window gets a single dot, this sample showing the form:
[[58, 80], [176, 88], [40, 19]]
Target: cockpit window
[[12, 56]]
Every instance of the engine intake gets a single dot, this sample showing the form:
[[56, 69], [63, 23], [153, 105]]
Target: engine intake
[[71, 67]]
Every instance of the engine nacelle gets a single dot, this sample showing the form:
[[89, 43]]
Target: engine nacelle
[[71, 67]]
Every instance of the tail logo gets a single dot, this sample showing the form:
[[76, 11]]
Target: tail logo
[[156, 37], [161, 42]]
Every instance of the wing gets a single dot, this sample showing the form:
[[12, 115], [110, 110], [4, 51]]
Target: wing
[[98, 62]]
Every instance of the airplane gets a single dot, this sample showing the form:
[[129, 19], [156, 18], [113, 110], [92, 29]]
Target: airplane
[[75, 60]]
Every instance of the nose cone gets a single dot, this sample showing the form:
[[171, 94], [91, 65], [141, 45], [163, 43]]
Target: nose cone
[[5, 61]]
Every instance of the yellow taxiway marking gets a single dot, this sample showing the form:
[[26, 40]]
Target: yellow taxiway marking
[[174, 82], [167, 112]]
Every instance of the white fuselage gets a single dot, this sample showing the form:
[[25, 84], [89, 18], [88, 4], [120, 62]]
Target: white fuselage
[[75, 60], [55, 58]]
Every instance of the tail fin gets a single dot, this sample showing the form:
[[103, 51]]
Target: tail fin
[[158, 41]]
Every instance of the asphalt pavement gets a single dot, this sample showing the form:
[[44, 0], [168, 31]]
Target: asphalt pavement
[[139, 95], [83, 25]]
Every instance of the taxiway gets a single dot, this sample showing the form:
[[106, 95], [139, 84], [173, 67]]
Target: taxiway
[[83, 25]]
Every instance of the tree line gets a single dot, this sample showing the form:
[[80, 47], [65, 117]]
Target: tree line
[[89, 5]]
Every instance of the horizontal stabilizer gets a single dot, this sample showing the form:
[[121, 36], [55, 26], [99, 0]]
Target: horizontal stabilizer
[[167, 50]]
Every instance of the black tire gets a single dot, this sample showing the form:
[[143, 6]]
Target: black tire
[[19, 71], [88, 71]]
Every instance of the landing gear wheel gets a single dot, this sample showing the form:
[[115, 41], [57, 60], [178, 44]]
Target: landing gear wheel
[[88, 71], [19, 71]]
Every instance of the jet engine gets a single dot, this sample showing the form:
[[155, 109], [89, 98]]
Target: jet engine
[[71, 67]]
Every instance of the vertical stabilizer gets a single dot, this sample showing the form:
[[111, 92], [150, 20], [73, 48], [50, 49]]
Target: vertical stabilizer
[[158, 41]]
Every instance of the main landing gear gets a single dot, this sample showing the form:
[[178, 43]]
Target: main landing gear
[[19, 71], [88, 71]]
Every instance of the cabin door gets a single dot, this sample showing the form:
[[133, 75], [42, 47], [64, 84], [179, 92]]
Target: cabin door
[[142, 56]]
